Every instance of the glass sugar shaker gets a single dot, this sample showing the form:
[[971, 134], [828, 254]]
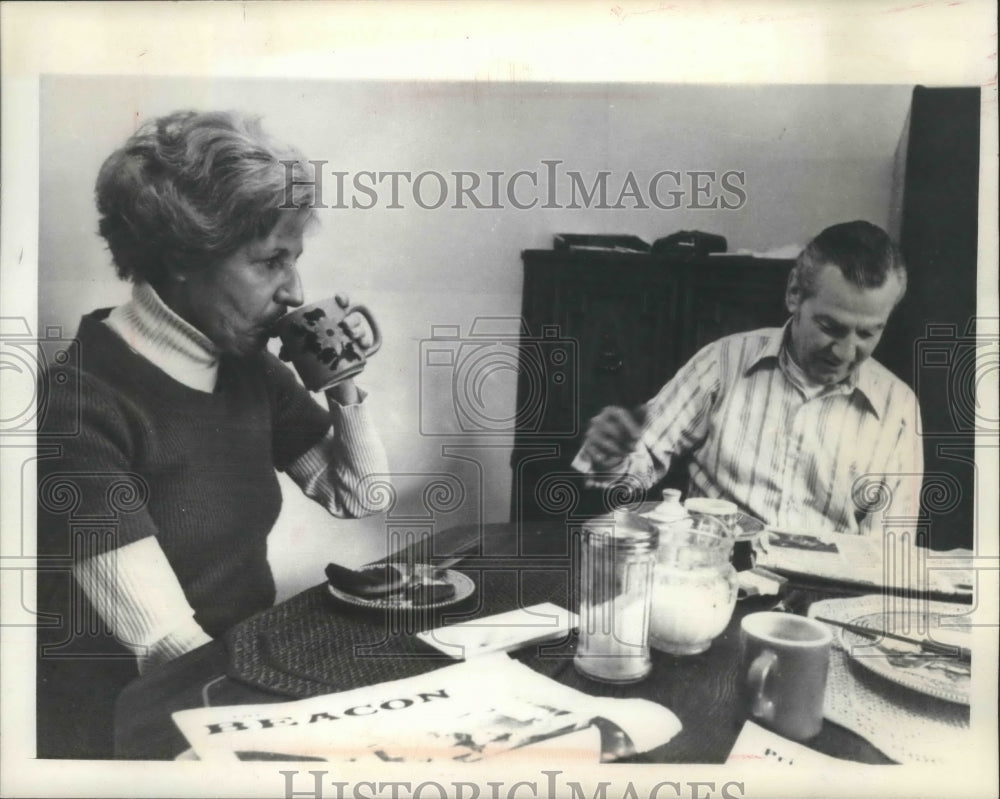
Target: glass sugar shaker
[[616, 574]]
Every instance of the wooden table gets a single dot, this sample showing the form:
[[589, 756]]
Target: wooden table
[[700, 689]]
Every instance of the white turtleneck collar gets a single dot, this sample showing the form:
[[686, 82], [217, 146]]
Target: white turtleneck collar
[[160, 336]]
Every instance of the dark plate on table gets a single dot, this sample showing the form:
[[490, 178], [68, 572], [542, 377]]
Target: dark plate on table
[[428, 587]]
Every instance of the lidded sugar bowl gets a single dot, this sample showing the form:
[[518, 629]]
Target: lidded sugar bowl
[[694, 581]]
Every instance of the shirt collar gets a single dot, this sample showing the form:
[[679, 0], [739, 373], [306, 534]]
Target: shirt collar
[[154, 331], [769, 347], [869, 386], [864, 382]]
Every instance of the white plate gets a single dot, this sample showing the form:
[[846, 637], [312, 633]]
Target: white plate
[[464, 588], [939, 676]]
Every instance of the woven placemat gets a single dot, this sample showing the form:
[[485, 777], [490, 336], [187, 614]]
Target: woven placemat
[[314, 644], [906, 725]]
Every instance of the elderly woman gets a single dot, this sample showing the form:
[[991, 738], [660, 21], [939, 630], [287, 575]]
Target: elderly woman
[[180, 400]]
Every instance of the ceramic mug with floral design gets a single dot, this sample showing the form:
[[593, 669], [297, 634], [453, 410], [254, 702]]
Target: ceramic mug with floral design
[[322, 344]]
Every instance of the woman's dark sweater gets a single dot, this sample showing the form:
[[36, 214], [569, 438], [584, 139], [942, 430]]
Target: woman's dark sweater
[[195, 469]]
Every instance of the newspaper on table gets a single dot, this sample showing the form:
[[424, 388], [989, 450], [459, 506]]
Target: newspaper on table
[[886, 561], [758, 745], [461, 713]]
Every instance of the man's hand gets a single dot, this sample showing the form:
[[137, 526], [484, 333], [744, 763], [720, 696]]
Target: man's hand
[[611, 436]]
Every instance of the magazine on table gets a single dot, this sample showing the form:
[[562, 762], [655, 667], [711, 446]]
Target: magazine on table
[[442, 716], [887, 561]]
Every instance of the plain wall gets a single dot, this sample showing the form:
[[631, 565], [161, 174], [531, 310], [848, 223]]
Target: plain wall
[[811, 156]]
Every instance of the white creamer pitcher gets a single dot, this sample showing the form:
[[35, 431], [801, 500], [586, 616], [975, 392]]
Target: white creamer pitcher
[[694, 583]]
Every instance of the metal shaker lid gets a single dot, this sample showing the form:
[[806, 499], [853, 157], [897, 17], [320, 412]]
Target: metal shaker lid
[[622, 529]]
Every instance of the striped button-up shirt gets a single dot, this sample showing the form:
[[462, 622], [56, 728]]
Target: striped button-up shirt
[[834, 459]]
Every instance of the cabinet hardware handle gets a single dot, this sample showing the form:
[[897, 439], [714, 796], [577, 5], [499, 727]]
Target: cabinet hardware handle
[[610, 361]]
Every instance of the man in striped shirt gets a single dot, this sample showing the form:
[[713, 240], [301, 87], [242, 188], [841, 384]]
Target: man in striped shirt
[[796, 425]]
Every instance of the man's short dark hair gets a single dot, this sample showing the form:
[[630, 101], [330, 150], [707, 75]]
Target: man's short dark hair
[[863, 253]]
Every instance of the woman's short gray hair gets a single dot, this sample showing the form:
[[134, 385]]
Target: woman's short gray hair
[[190, 188]]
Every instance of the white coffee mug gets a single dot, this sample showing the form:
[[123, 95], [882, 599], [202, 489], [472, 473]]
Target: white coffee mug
[[783, 668]]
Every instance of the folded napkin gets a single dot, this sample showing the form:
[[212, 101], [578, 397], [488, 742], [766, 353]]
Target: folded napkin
[[369, 582]]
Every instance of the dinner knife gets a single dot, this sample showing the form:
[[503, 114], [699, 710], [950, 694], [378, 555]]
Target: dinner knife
[[961, 653]]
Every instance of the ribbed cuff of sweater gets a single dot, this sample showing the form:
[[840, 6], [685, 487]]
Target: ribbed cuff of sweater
[[357, 435], [338, 471], [139, 597]]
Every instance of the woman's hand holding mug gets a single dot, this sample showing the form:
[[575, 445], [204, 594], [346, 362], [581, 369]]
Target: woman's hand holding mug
[[357, 325]]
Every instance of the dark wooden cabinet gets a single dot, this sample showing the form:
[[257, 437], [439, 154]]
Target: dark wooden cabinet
[[625, 322]]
